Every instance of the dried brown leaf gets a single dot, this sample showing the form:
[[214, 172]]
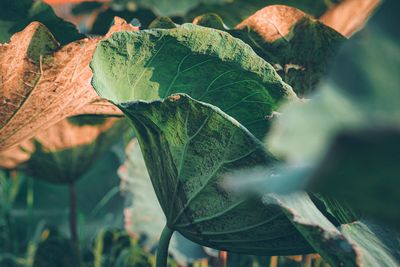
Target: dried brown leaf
[[273, 22], [41, 83]]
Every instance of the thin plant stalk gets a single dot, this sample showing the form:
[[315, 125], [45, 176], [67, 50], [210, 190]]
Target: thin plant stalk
[[163, 244], [72, 214], [29, 203], [222, 258]]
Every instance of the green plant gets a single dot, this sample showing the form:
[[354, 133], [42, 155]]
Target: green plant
[[238, 158], [192, 140]]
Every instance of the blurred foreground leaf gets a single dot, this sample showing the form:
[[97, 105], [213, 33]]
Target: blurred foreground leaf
[[357, 116], [361, 167], [353, 244]]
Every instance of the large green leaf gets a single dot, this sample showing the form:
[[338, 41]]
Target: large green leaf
[[16, 15], [174, 135], [353, 244], [209, 65], [278, 33]]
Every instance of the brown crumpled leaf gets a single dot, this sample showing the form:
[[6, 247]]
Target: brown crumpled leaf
[[276, 21], [42, 83], [349, 16], [273, 22]]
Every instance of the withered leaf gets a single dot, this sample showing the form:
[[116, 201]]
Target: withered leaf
[[42, 83]]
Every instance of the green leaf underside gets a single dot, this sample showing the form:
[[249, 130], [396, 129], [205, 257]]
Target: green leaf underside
[[318, 45], [209, 65], [68, 165], [16, 15], [352, 244], [175, 135]]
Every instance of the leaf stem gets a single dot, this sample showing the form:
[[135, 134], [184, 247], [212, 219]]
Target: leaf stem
[[163, 244], [72, 214]]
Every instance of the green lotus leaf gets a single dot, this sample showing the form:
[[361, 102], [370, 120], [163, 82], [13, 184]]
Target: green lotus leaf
[[174, 134], [16, 15], [138, 71], [353, 244], [207, 64], [277, 34]]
